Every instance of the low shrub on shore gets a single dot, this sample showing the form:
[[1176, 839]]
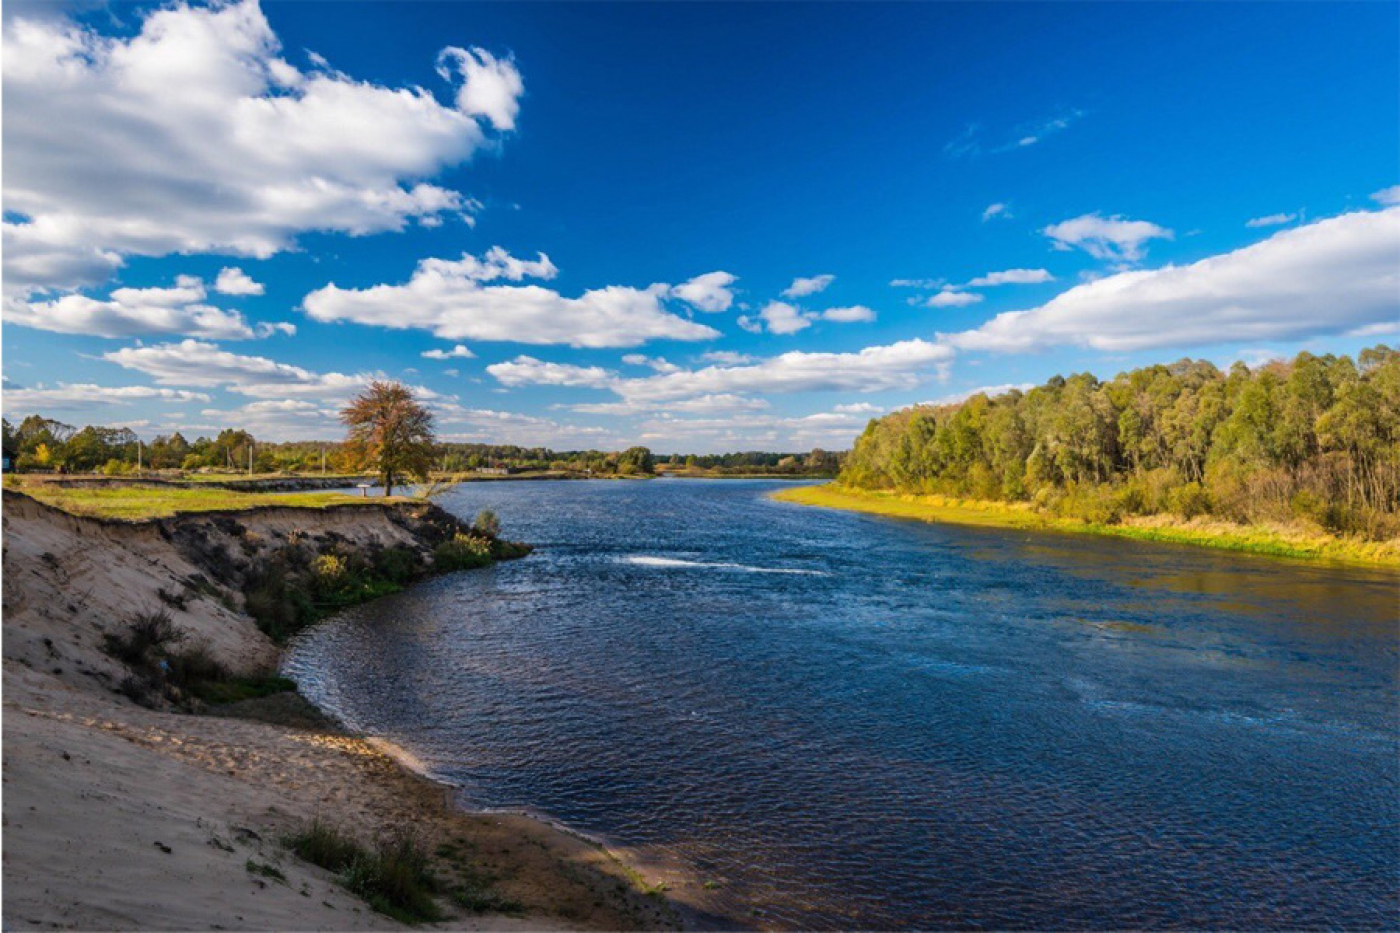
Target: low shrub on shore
[[393, 877], [463, 552], [160, 671]]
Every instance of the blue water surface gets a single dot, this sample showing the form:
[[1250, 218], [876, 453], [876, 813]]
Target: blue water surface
[[852, 721]]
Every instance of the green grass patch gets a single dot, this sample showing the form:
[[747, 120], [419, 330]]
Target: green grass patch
[[1302, 545], [236, 689], [140, 503], [393, 877]]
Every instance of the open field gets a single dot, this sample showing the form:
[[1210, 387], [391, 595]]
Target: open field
[[139, 502], [1273, 541]]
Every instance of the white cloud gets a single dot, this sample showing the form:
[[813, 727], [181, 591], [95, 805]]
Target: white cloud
[[857, 408], [526, 370], [446, 297], [491, 87], [85, 395], [782, 318], [1272, 220], [996, 210], [801, 288], [658, 363], [728, 357], [950, 298], [1110, 238], [1387, 196], [918, 283], [1012, 277], [989, 391], [194, 135], [828, 429], [131, 312], [709, 292], [900, 365], [1331, 276], [200, 364], [459, 352], [234, 281], [700, 404], [851, 315]]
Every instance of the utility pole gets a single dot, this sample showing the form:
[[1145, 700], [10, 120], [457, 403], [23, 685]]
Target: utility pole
[[250, 458], [323, 461], [138, 456]]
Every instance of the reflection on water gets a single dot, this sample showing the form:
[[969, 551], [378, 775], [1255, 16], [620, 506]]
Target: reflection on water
[[904, 725]]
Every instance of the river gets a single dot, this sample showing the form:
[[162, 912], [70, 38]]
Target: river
[[852, 721]]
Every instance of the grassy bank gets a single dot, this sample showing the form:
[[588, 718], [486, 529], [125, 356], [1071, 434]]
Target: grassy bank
[[138, 503], [1272, 541]]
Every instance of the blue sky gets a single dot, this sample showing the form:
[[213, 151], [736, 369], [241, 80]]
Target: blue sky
[[678, 225]]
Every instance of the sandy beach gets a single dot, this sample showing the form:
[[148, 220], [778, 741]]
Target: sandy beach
[[118, 816]]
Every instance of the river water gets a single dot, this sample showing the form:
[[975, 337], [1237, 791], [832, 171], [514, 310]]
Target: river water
[[851, 721]]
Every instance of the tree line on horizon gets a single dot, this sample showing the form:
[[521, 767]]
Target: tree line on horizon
[[45, 444], [1313, 440]]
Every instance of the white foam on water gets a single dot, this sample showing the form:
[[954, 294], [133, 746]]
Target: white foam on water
[[647, 560]]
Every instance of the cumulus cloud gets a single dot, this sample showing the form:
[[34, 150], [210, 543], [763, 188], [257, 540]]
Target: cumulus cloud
[[447, 298], [700, 404], [234, 281], [526, 370], [951, 298], [996, 210], [709, 292], [199, 363], [829, 429], [1012, 277], [871, 369], [801, 288], [1109, 238], [918, 283], [989, 391], [179, 310], [491, 87], [1387, 196], [195, 135], [459, 352], [728, 357], [782, 318], [850, 315], [1271, 220], [1334, 276], [66, 396], [658, 363]]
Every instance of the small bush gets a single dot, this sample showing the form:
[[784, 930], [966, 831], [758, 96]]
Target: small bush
[[143, 644], [219, 692], [487, 523], [397, 564], [330, 570], [393, 877], [463, 552], [322, 844], [1190, 500]]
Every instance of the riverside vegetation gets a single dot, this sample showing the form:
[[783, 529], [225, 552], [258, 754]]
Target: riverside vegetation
[[1297, 458]]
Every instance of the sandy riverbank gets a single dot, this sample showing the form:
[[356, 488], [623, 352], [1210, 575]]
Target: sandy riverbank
[[117, 816]]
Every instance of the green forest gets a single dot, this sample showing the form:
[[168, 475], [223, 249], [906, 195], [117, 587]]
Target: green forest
[[1314, 441]]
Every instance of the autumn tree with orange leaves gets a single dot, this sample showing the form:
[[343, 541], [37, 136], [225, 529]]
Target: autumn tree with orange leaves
[[391, 431]]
